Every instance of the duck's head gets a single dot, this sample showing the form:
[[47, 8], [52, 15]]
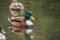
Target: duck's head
[[0, 28], [29, 12]]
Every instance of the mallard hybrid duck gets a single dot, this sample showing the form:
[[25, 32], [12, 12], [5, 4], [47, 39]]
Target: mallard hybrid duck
[[28, 16]]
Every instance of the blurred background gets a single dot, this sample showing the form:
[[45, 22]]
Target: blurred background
[[46, 13]]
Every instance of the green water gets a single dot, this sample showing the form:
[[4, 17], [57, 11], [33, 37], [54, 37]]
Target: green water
[[47, 14]]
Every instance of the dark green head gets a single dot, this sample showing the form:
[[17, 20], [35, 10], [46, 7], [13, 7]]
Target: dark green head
[[29, 12], [27, 15]]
